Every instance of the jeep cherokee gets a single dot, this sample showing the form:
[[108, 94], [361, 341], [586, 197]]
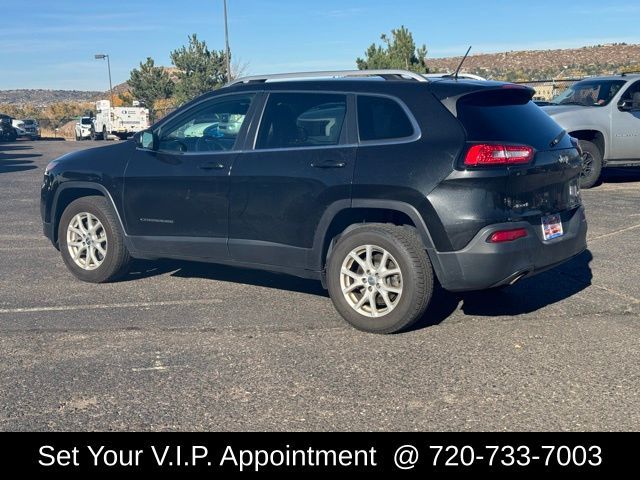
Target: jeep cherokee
[[378, 184]]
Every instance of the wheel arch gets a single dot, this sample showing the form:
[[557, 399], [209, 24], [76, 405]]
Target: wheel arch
[[343, 217], [594, 136], [71, 191]]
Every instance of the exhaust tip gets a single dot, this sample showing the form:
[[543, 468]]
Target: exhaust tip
[[518, 277]]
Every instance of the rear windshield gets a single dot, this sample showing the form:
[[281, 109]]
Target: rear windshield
[[504, 116], [86, 121]]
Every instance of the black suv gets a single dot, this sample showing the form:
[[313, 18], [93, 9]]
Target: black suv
[[7, 132], [375, 183]]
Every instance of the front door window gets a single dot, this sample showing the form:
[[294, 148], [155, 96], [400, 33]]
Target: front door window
[[213, 127]]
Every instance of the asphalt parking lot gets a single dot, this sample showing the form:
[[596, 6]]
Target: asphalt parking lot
[[184, 346]]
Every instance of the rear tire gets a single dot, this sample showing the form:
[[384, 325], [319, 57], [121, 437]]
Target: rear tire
[[400, 299], [79, 244], [591, 164]]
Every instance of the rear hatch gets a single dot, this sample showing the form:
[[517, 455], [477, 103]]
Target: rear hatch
[[541, 161], [518, 163]]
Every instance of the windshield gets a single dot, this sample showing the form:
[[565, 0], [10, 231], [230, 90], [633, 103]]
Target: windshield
[[589, 93], [29, 122], [86, 121]]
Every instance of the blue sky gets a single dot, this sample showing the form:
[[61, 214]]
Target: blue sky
[[51, 43]]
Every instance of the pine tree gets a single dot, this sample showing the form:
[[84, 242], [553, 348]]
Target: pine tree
[[200, 69], [150, 84], [398, 52]]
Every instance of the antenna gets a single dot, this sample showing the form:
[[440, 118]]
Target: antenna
[[455, 75]]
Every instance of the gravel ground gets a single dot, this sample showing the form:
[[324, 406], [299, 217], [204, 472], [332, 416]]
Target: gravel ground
[[185, 346]]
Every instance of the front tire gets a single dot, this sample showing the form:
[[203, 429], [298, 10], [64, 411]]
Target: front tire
[[92, 242], [591, 164], [379, 278]]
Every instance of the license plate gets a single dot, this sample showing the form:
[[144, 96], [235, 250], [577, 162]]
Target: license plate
[[552, 227]]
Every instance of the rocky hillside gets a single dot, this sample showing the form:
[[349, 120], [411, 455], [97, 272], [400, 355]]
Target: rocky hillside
[[509, 66], [42, 98], [546, 64]]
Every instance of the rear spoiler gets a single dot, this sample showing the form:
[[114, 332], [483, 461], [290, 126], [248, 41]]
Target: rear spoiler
[[491, 94]]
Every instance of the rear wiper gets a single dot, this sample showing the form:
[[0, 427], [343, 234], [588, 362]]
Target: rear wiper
[[558, 139]]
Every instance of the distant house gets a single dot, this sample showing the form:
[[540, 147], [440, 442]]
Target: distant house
[[545, 92]]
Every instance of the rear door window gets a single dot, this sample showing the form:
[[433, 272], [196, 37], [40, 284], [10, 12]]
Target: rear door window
[[382, 118], [633, 95], [302, 120]]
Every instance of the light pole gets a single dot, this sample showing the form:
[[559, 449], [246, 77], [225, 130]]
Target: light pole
[[226, 42], [102, 56]]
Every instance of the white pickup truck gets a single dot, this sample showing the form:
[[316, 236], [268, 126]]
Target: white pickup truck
[[119, 121], [603, 113]]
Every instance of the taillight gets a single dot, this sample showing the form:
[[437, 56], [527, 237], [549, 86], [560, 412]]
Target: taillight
[[489, 155], [508, 235]]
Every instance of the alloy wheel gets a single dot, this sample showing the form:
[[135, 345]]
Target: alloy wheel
[[371, 281], [87, 241], [587, 165]]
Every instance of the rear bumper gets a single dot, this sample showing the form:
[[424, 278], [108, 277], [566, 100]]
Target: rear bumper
[[134, 129], [482, 265]]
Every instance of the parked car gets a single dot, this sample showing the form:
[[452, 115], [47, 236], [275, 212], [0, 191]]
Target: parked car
[[375, 188], [604, 115], [31, 128], [84, 127], [18, 126], [7, 132]]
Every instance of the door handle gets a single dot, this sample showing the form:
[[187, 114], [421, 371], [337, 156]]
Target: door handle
[[211, 166], [329, 164]]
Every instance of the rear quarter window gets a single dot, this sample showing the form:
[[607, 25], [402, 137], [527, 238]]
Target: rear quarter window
[[382, 118], [504, 116]]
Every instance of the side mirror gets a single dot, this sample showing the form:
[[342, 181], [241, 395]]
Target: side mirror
[[146, 139], [626, 106]]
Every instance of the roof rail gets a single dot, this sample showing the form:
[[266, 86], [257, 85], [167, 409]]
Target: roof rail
[[630, 72], [386, 74]]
